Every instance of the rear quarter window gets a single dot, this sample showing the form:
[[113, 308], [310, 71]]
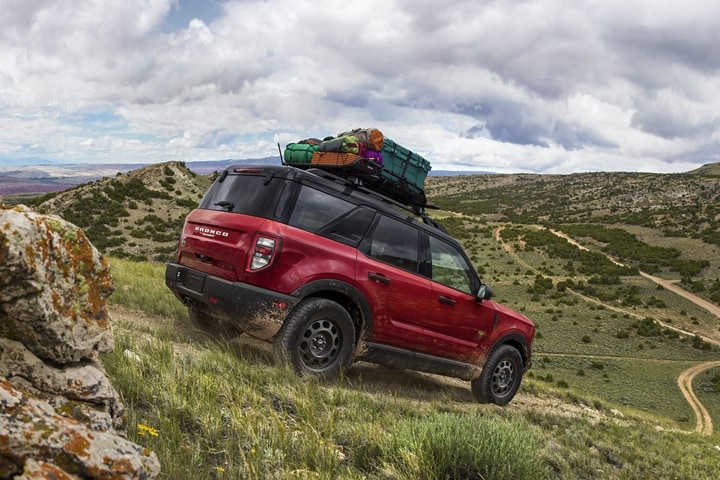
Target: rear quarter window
[[332, 217]]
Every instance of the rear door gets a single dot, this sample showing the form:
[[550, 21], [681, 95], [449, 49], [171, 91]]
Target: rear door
[[387, 274]]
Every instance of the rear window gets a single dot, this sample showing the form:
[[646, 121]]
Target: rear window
[[247, 194]]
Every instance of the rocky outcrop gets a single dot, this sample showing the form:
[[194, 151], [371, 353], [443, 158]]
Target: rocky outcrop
[[60, 417]]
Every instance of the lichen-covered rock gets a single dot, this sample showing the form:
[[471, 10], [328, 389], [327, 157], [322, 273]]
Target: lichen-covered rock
[[53, 287], [81, 390], [32, 430], [60, 417], [35, 470]]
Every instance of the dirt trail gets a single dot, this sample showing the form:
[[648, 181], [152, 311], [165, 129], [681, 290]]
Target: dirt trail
[[704, 424], [670, 285]]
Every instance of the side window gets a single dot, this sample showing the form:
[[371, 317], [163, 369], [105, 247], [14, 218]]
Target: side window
[[449, 266], [350, 228], [315, 209], [395, 243]]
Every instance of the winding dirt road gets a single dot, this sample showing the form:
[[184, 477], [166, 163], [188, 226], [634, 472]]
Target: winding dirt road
[[704, 424]]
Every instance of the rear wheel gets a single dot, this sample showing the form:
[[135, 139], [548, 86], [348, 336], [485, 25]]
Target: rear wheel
[[500, 379], [202, 321], [317, 339]]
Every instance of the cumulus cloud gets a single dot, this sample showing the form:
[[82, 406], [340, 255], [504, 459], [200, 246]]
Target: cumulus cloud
[[536, 85]]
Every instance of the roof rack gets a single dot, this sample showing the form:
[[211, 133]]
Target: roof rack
[[356, 183]]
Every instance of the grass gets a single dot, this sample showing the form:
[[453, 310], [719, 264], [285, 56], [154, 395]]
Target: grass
[[141, 285], [213, 410], [225, 410], [623, 382], [209, 413]]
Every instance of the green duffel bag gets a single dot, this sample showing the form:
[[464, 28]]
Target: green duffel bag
[[299, 153], [404, 163], [346, 144]]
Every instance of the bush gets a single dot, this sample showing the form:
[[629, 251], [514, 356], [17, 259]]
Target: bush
[[701, 344]]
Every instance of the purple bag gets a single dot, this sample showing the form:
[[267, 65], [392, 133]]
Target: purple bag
[[374, 156]]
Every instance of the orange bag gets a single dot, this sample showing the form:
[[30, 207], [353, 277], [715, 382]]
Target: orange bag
[[334, 159]]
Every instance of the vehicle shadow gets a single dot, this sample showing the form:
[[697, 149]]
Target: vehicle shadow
[[409, 384], [365, 377]]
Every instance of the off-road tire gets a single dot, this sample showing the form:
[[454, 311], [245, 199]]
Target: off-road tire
[[500, 379], [317, 338]]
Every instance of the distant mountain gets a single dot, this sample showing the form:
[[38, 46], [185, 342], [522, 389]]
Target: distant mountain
[[210, 166], [452, 173], [43, 178]]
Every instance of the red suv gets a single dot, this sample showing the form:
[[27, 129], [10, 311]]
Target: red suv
[[332, 273]]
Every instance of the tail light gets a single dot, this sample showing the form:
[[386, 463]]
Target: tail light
[[264, 251]]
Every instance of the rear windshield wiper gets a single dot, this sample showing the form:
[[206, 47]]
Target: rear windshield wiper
[[225, 204]]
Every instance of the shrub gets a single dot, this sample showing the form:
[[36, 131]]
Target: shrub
[[701, 344]]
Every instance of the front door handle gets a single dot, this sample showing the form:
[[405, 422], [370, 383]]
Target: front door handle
[[447, 301], [379, 278]]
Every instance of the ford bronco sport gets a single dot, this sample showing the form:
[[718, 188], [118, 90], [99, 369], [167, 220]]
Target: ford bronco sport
[[332, 273]]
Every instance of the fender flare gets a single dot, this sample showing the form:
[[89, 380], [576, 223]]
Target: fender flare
[[327, 287], [515, 339]]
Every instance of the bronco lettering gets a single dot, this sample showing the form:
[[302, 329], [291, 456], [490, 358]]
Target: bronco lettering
[[211, 231]]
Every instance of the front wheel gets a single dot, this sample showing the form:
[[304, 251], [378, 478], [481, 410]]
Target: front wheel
[[317, 338], [500, 378]]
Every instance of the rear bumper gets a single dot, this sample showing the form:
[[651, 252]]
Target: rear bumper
[[257, 311]]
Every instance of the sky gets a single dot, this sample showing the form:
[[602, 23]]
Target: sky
[[539, 86]]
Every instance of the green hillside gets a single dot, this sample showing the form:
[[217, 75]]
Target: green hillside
[[135, 215]]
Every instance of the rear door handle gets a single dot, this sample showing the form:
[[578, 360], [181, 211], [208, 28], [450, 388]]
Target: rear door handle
[[379, 278], [447, 301]]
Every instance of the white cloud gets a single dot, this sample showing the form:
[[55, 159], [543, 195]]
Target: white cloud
[[537, 85]]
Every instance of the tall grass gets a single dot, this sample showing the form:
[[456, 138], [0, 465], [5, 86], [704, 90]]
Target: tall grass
[[216, 410], [208, 413], [450, 445], [141, 286]]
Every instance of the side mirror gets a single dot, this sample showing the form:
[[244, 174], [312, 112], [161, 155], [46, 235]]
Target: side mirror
[[484, 292]]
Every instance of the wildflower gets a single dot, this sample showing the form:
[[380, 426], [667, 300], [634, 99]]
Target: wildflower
[[220, 469], [144, 429]]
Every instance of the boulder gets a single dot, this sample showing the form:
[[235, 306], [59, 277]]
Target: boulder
[[53, 287], [60, 416]]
